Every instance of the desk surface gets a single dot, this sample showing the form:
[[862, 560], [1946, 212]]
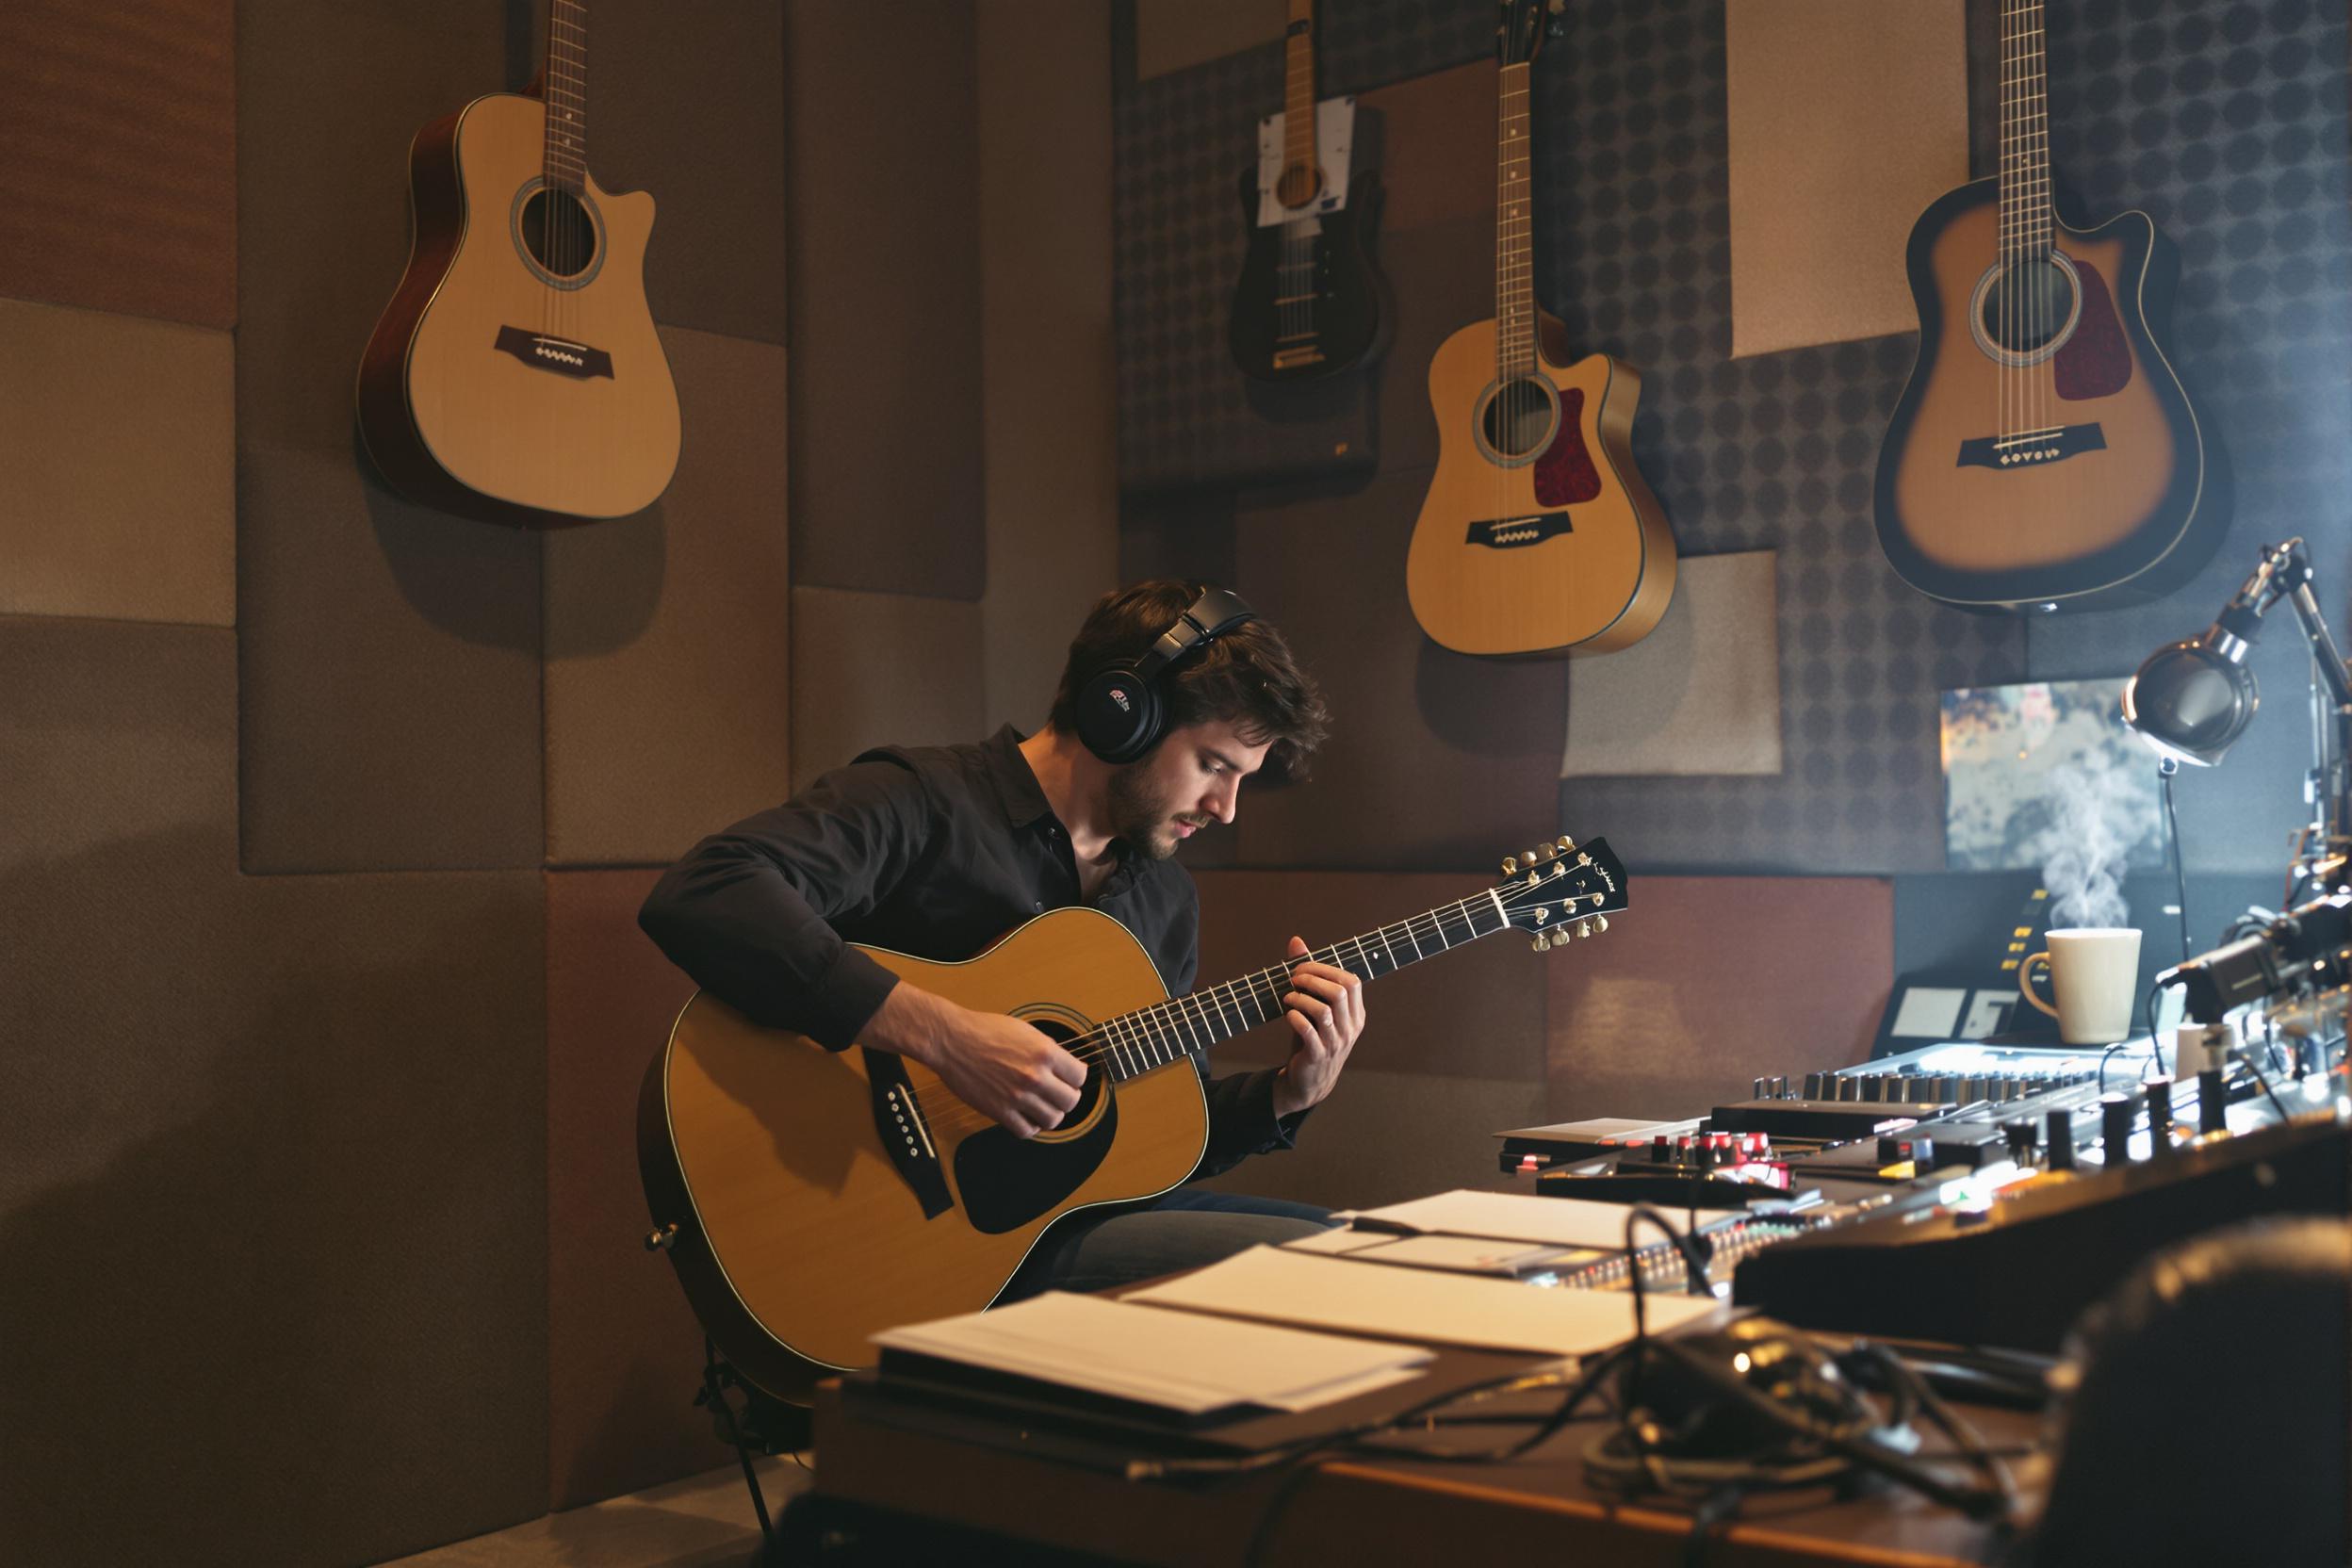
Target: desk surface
[[984, 1474]]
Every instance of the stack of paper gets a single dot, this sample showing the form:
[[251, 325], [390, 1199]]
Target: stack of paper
[[1510, 1216], [1340, 1293], [1176, 1360], [1461, 1254]]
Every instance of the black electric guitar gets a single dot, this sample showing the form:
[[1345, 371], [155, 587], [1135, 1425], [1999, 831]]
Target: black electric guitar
[[811, 1197], [2043, 455], [1310, 301]]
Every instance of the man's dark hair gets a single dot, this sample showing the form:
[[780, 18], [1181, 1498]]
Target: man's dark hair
[[1247, 677]]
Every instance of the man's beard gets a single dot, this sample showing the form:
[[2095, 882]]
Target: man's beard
[[1141, 816]]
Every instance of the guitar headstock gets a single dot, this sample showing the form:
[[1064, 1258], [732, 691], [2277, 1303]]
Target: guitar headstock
[[1521, 32], [1562, 890]]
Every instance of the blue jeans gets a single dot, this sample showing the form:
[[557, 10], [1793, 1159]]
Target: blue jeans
[[1102, 1248]]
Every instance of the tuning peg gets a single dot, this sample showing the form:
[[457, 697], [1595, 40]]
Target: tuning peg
[[1565, 844], [1543, 942], [1600, 923], [1584, 928], [1510, 865], [1533, 856]]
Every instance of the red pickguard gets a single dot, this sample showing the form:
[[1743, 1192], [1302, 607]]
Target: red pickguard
[[1564, 474], [2095, 362]]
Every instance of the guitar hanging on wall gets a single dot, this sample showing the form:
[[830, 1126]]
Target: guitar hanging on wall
[[1538, 535], [810, 1197], [2043, 455], [517, 376], [1310, 301]]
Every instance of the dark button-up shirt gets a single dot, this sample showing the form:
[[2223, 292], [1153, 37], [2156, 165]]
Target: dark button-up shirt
[[936, 852]]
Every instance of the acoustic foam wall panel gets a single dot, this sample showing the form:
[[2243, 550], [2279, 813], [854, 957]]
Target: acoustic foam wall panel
[[624, 1352], [1382, 1137], [689, 106], [1049, 418], [1173, 33], [668, 676], [1436, 760], [1478, 1013], [116, 436], [389, 676], [1706, 982], [882, 178], [119, 192], [879, 669], [276, 1143]]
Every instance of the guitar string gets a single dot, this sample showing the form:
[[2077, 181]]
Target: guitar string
[[1138, 1035]]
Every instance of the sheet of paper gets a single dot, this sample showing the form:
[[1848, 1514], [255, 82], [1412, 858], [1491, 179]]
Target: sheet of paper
[[1339, 1240], [1510, 1215], [1472, 1254], [1928, 1012], [1418, 1303], [1179, 1361]]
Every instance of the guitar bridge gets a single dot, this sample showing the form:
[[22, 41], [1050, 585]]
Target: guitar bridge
[[1290, 359], [2028, 448], [898, 1119], [558, 355], [1507, 533]]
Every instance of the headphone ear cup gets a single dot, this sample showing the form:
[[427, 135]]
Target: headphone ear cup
[[1119, 715]]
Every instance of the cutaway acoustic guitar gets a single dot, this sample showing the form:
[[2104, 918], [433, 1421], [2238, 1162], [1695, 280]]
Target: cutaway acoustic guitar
[[516, 375], [2043, 455], [810, 1197], [1538, 535]]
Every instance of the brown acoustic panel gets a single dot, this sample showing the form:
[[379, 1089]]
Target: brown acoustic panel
[[1049, 388], [882, 181], [1708, 983], [624, 1352], [1440, 147], [1382, 1137], [119, 188], [668, 683], [118, 439], [330, 97], [1478, 1013], [389, 712], [1173, 33], [879, 669], [277, 1145], [1444, 278], [688, 105], [1436, 760]]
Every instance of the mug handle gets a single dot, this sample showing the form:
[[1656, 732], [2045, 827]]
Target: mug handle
[[2025, 982]]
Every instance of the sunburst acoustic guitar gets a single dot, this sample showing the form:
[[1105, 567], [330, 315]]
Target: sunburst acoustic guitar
[[810, 1198], [1538, 535], [516, 375], [2043, 455]]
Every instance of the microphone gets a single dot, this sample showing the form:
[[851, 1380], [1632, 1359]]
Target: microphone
[[2192, 699]]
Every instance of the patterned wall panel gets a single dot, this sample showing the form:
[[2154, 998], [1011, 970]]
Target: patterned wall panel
[[882, 177], [116, 436], [275, 1141], [119, 190], [2228, 125], [668, 678]]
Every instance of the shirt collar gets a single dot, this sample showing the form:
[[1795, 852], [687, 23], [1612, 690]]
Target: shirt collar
[[1016, 783]]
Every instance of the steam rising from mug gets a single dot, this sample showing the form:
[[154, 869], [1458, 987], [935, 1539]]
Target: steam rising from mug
[[2089, 809]]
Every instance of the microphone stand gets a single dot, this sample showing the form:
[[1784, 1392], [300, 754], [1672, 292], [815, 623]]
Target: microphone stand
[[2327, 848]]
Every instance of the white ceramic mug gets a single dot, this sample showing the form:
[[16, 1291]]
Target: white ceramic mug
[[2091, 969]]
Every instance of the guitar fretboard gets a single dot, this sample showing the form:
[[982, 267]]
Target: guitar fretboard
[[566, 159], [2025, 216], [1298, 91], [1514, 271], [1137, 1042]]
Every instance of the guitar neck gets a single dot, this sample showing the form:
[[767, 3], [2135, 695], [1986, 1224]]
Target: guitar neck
[[1299, 177], [1514, 268], [1137, 1042], [2025, 215], [566, 88]]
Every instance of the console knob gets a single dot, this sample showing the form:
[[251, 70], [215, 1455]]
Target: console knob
[[2116, 1113], [2058, 1129], [2160, 1116]]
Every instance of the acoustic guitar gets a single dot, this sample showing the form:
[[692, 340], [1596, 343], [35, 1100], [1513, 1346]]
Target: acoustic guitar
[[516, 375], [1310, 301], [2043, 455], [1538, 535], [810, 1197]]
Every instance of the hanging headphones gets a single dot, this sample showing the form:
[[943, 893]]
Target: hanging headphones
[[1119, 711]]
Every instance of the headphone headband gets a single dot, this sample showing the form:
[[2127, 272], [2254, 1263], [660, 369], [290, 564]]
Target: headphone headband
[[1119, 713]]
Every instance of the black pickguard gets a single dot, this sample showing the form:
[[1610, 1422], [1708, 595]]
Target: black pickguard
[[1007, 1181], [1351, 311]]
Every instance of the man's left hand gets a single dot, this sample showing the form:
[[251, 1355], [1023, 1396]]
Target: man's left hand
[[1325, 1007]]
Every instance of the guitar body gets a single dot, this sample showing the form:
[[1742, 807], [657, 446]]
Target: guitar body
[[1539, 536], [810, 1216], [2111, 498], [1310, 301], [513, 377]]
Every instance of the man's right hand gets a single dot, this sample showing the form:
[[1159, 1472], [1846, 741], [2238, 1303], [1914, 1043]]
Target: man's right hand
[[1002, 1067]]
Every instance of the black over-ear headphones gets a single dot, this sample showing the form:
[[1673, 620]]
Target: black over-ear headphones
[[1119, 713]]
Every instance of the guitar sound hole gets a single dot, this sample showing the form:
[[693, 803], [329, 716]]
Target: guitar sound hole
[[2027, 306], [1517, 419], [558, 233], [1062, 1035]]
